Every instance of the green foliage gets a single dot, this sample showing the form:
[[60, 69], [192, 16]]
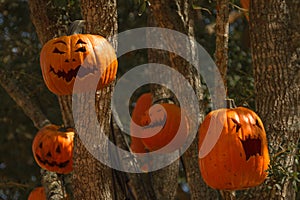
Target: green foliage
[[278, 174], [240, 79]]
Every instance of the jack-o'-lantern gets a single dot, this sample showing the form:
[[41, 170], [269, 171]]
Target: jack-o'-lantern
[[37, 193], [52, 148], [239, 158], [143, 103], [88, 58], [165, 121]]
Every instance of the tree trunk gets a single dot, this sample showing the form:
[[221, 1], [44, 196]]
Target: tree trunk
[[274, 34], [178, 15], [91, 178]]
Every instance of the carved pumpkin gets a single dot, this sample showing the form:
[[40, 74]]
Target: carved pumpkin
[[37, 193], [52, 148], [143, 103], [164, 120], [240, 157], [88, 58]]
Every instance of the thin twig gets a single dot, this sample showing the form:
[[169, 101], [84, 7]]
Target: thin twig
[[11, 184]]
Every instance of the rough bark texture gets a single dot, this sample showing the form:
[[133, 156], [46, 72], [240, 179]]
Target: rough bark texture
[[274, 33], [178, 15], [135, 186], [44, 16], [222, 35], [92, 179]]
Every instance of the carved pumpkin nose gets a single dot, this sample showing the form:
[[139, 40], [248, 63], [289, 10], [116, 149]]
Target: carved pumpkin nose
[[67, 60]]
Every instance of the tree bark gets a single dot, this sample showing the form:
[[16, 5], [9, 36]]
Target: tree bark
[[274, 34], [178, 15], [45, 17], [92, 179], [222, 36]]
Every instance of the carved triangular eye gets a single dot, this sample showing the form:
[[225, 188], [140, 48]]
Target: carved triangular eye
[[238, 125], [81, 49], [56, 50], [58, 149], [80, 41], [258, 124]]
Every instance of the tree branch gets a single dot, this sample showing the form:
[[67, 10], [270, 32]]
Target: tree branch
[[222, 35], [19, 95], [221, 56]]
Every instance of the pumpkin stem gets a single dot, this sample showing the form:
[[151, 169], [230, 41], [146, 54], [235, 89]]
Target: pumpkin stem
[[230, 103], [62, 129], [76, 27]]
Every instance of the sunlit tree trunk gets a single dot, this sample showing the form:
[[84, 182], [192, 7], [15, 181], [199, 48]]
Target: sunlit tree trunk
[[274, 33], [91, 178]]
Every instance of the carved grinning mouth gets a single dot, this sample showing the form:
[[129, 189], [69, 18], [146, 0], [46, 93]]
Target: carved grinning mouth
[[251, 146], [53, 163], [72, 73]]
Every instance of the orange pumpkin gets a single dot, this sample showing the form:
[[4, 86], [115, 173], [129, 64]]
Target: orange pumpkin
[[52, 148], [165, 120], [88, 58], [143, 103], [239, 159], [37, 193]]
